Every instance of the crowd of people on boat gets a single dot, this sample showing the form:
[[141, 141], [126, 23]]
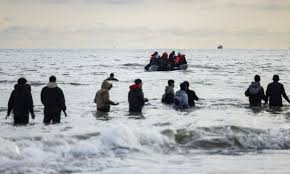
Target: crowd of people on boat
[[166, 62], [52, 97]]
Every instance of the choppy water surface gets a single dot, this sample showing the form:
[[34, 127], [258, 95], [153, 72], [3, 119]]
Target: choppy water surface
[[221, 135]]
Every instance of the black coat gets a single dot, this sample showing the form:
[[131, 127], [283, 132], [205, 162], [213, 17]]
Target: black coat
[[53, 100], [21, 103], [255, 98], [191, 97], [274, 93], [136, 99]]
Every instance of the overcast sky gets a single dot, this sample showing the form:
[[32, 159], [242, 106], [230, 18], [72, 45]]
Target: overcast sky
[[144, 23]]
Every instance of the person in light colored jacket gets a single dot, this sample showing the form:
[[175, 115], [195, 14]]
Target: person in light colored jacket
[[102, 98], [181, 98]]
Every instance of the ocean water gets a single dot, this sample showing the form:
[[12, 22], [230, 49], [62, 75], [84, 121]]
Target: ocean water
[[221, 135]]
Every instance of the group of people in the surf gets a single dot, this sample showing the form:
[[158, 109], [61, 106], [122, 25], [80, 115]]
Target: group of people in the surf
[[167, 62], [274, 93], [52, 97], [21, 102]]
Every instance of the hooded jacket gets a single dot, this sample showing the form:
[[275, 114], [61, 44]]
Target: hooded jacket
[[21, 103], [256, 94], [53, 99], [274, 92], [136, 98], [168, 96], [102, 98]]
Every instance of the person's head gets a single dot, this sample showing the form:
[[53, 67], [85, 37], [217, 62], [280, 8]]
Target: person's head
[[112, 75], [183, 86], [173, 52], [106, 85], [52, 79], [170, 83], [276, 78], [154, 54], [186, 83], [138, 82], [179, 54], [21, 81], [257, 78]]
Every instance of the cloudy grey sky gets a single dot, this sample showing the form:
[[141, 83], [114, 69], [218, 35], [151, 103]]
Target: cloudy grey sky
[[144, 23]]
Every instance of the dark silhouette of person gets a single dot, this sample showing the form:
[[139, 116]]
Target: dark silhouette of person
[[168, 96], [164, 62], [275, 91], [191, 95], [255, 92], [21, 103], [53, 100], [112, 77], [171, 60], [154, 60], [136, 97]]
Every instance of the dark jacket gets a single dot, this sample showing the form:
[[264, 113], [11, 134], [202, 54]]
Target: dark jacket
[[136, 98], [53, 99], [171, 58], [256, 94], [191, 97], [168, 96], [274, 93], [21, 103]]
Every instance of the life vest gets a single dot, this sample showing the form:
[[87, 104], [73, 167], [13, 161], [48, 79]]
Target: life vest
[[177, 60]]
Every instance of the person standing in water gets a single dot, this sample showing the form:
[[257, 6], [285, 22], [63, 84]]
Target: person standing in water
[[21, 103], [136, 97], [191, 95], [274, 93], [168, 96], [102, 98], [255, 92], [112, 77], [53, 100], [181, 98]]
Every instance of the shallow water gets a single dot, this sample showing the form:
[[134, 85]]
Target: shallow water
[[221, 135]]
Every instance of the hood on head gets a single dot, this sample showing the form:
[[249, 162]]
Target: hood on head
[[106, 85], [135, 86]]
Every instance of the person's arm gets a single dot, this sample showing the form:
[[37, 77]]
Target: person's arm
[[107, 100], [10, 103], [284, 94], [263, 96], [95, 99], [268, 92], [62, 100], [247, 93], [30, 105], [195, 96], [42, 96], [142, 99]]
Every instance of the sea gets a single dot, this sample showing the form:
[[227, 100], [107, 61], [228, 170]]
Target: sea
[[221, 135]]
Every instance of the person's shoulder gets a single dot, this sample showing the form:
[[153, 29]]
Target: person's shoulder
[[271, 84], [281, 85], [191, 91], [44, 88]]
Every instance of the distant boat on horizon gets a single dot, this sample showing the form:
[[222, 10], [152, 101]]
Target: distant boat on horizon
[[220, 47]]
